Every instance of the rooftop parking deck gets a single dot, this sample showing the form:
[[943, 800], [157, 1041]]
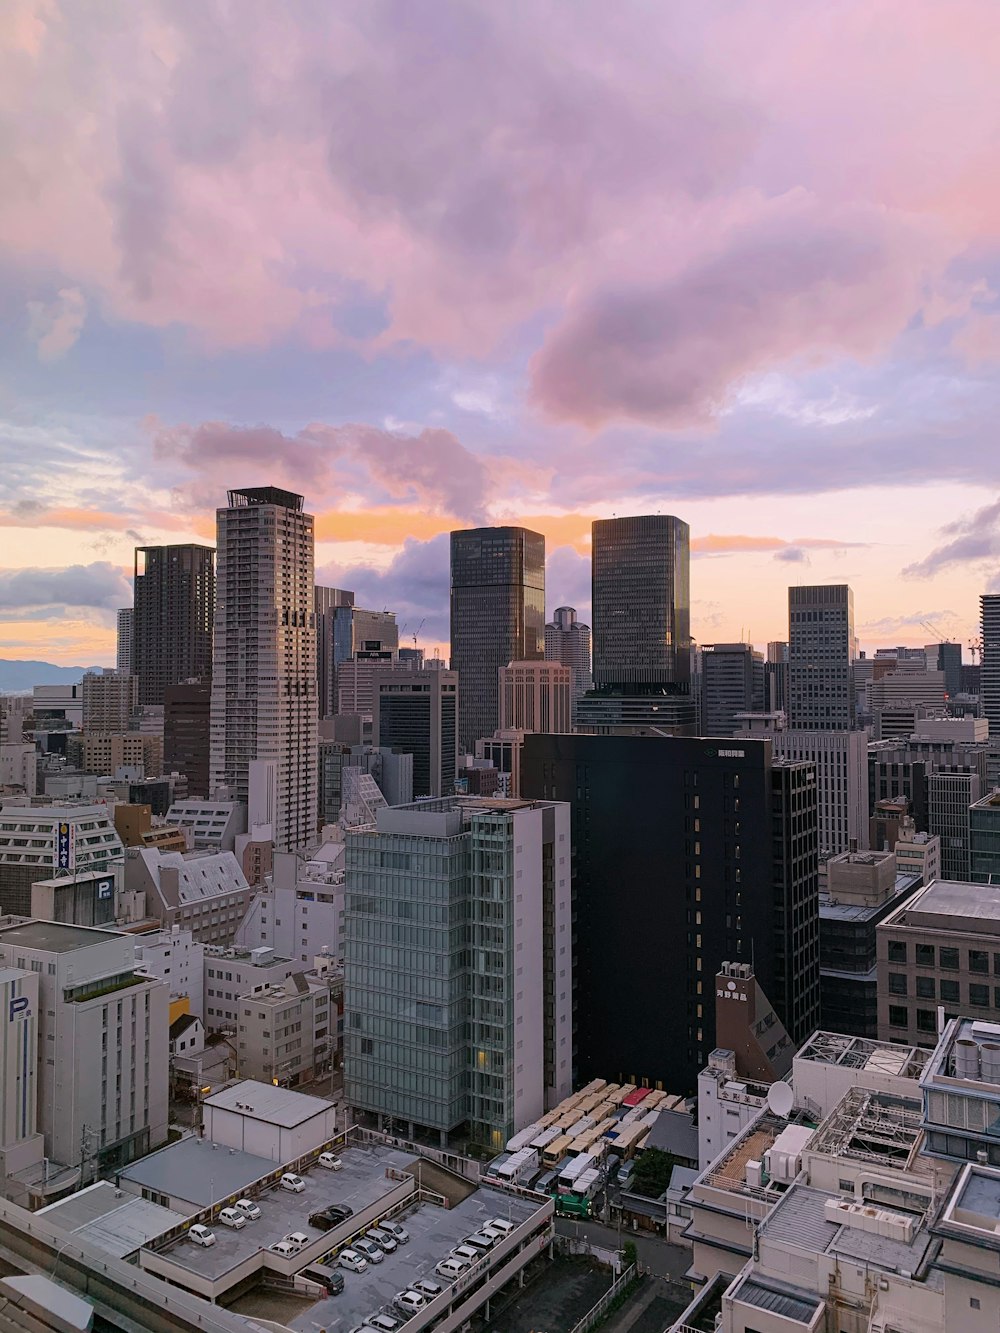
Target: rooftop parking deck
[[434, 1232]]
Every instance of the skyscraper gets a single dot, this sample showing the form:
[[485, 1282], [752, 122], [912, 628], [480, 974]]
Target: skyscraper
[[328, 602], [776, 677], [568, 641], [264, 672], [821, 647], [174, 610], [642, 627], [497, 616], [641, 602], [417, 712], [686, 854], [732, 682], [126, 632], [989, 677]]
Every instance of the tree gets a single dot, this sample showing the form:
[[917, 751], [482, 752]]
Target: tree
[[630, 1255], [652, 1173]]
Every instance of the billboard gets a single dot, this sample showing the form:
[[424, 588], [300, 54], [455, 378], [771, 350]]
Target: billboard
[[66, 849]]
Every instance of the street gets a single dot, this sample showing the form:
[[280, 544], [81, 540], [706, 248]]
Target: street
[[654, 1254]]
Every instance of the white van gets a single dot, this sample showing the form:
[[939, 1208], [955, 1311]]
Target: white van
[[466, 1253], [232, 1217], [290, 1181], [249, 1209], [285, 1248], [330, 1160]]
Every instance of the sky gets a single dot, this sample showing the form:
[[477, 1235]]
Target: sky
[[442, 263]]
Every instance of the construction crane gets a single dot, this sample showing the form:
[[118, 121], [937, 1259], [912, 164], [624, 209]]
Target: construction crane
[[939, 637], [417, 631], [975, 646]]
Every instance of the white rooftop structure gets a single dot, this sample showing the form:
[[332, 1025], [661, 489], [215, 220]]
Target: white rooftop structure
[[263, 1101], [118, 1223]]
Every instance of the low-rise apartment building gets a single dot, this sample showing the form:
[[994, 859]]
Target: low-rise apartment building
[[203, 892], [39, 842]]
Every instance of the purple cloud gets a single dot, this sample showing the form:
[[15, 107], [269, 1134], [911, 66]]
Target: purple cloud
[[973, 538]]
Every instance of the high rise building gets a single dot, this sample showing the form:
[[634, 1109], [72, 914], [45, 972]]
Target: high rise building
[[776, 677], [187, 713], [460, 1015], [642, 619], [108, 700], [535, 696], [841, 763], [418, 712], [950, 794], [568, 641], [821, 648], [686, 854], [497, 616], [264, 669], [126, 634], [174, 612], [641, 602], [732, 682], [989, 671], [946, 657], [328, 601]]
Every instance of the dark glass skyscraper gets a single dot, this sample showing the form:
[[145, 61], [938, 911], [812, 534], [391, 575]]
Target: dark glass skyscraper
[[174, 610], [989, 688], [641, 602], [497, 617]]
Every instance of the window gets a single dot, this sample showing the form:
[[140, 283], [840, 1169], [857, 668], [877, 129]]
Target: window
[[979, 960], [948, 959], [925, 955], [979, 995], [926, 1020], [897, 951], [949, 992], [925, 988], [897, 983], [898, 1017]]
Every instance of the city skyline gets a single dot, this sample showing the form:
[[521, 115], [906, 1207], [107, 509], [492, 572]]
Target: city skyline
[[759, 294]]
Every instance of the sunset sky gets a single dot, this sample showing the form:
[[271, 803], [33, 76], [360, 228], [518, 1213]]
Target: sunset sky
[[437, 263]]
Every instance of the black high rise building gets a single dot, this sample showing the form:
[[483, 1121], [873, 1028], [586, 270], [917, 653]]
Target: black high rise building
[[821, 648], [686, 853], [174, 611], [641, 626], [497, 617], [186, 717]]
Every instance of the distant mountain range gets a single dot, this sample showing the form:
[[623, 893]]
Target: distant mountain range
[[21, 677]]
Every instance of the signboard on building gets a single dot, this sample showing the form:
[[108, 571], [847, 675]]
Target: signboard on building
[[66, 851]]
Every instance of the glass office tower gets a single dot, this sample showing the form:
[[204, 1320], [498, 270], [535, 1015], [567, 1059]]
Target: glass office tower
[[497, 617]]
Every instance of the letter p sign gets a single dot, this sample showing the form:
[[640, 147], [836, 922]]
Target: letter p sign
[[18, 1007]]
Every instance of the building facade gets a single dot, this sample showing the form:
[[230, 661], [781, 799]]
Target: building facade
[[674, 843], [821, 647], [535, 696], [950, 794], [264, 670], [102, 1043], [989, 670], [568, 641], [174, 617], [126, 633], [939, 948], [328, 601], [187, 711], [40, 843], [732, 682], [497, 616], [108, 701], [458, 966], [419, 712], [984, 840]]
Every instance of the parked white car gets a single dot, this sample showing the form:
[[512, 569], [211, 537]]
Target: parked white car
[[201, 1235], [399, 1234], [369, 1250], [290, 1181], [249, 1209], [385, 1323], [353, 1261], [330, 1160], [408, 1302], [382, 1239], [450, 1268], [500, 1224], [285, 1248], [298, 1239], [232, 1217]]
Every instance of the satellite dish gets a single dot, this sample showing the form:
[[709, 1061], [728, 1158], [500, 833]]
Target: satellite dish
[[780, 1099]]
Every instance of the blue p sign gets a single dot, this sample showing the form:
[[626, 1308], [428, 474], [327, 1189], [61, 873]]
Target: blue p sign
[[18, 1005]]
